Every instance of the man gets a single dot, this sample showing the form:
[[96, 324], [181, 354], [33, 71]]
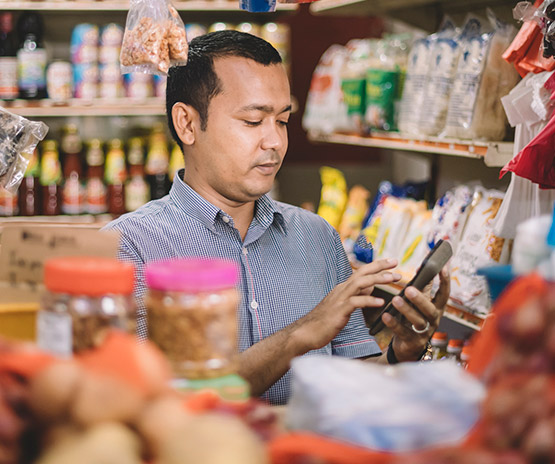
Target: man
[[228, 109]]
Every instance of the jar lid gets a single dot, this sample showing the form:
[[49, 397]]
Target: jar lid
[[88, 275], [455, 343], [192, 275], [439, 336]]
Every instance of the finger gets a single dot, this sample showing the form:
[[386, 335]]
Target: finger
[[376, 266], [412, 315], [397, 326], [363, 301], [442, 296], [365, 284]]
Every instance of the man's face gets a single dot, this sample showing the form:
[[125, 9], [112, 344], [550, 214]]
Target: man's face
[[236, 158]]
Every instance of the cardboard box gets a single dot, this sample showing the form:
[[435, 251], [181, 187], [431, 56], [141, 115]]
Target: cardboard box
[[23, 251]]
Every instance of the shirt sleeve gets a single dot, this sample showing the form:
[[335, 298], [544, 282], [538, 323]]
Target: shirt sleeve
[[353, 341]]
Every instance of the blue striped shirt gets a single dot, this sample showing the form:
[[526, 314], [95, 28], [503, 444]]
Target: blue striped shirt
[[290, 260]]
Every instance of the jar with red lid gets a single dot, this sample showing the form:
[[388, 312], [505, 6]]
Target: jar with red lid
[[192, 315], [85, 297]]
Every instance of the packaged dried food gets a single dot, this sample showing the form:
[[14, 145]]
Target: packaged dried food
[[154, 38], [85, 298], [192, 314], [18, 139]]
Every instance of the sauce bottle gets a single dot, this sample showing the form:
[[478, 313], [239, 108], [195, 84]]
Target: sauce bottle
[[115, 174], [96, 193], [157, 161], [73, 191], [8, 59], [177, 161], [50, 179], [29, 191], [137, 190], [31, 57]]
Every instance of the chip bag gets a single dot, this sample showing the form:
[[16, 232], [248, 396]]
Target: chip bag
[[333, 197]]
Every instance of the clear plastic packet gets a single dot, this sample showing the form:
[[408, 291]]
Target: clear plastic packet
[[18, 138], [544, 16], [482, 78], [258, 6], [154, 38]]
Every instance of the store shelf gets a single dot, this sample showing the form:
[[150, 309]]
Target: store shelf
[[96, 107], [494, 154], [105, 5], [452, 311]]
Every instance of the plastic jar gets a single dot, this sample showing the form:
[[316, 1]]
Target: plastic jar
[[439, 345], [192, 315], [465, 356], [454, 349], [85, 297]]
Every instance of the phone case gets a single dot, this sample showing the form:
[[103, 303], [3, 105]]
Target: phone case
[[430, 267]]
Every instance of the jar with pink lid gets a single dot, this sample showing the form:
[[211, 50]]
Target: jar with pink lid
[[192, 315]]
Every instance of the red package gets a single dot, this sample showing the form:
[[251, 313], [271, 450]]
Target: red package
[[536, 160], [523, 39]]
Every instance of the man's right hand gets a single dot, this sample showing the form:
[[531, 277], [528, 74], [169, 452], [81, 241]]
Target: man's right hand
[[325, 321]]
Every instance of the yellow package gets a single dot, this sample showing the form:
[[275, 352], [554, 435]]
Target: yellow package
[[333, 197], [357, 205]]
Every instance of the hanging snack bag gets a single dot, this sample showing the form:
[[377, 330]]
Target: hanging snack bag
[[414, 246], [333, 197], [18, 139], [154, 38], [351, 222]]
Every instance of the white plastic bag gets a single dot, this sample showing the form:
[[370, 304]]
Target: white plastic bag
[[398, 408], [18, 139]]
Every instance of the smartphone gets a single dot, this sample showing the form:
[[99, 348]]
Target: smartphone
[[430, 267]]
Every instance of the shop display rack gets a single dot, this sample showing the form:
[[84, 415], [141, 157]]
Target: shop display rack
[[494, 154]]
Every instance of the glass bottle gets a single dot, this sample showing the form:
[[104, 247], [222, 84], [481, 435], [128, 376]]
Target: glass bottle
[[115, 174], [29, 190], [8, 58], [31, 57], [157, 161], [177, 162], [137, 190], [96, 193], [439, 345], [8, 203], [73, 191], [50, 179]]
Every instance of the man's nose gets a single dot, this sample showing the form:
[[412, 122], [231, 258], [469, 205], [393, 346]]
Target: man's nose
[[275, 137]]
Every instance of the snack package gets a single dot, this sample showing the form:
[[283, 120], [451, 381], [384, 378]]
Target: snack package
[[442, 66], [414, 247], [154, 38], [395, 221], [326, 110], [478, 247], [18, 139], [482, 78], [258, 6], [351, 221], [333, 197]]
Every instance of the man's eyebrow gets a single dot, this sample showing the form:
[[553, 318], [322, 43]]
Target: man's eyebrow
[[264, 108]]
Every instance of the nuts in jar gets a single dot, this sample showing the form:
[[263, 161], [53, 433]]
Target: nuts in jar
[[85, 298], [192, 315]]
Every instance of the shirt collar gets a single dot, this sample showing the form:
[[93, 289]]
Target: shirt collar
[[267, 211]]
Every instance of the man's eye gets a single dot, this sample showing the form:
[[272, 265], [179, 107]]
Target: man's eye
[[283, 123], [253, 123]]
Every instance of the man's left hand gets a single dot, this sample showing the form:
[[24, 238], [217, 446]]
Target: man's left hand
[[409, 344]]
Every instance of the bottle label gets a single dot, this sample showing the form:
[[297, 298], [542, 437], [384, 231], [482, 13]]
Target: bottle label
[[73, 196], [8, 203], [31, 69], [50, 169], [96, 194], [157, 160], [8, 77], [54, 333], [33, 166], [137, 193], [115, 168], [354, 95]]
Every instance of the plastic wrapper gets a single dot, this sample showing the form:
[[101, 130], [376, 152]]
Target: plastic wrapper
[[478, 247], [18, 139], [333, 198], [154, 38], [351, 221], [326, 110], [414, 246], [482, 78], [383, 407], [258, 6]]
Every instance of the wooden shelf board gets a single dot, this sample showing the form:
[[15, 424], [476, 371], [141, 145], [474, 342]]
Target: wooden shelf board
[[96, 107], [105, 5], [452, 311], [494, 154]]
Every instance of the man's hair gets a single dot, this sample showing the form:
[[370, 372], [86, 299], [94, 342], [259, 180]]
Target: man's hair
[[196, 83]]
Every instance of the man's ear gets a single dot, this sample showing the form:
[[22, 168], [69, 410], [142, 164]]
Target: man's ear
[[185, 119]]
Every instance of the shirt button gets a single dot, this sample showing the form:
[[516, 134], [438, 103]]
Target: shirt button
[[254, 304], [225, 219], [245, 251]]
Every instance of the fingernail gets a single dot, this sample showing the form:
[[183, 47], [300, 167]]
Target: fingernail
[[380, 301], [397, 300], [396, 276], [410, 291], [392, 261]]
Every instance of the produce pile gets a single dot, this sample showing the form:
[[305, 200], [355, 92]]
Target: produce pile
[[113, 404]]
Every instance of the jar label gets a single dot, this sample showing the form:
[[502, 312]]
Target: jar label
[[54, 333]]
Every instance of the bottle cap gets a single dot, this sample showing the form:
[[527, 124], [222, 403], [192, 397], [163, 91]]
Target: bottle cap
[[88, 275], [440, 336], [191, 275]]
